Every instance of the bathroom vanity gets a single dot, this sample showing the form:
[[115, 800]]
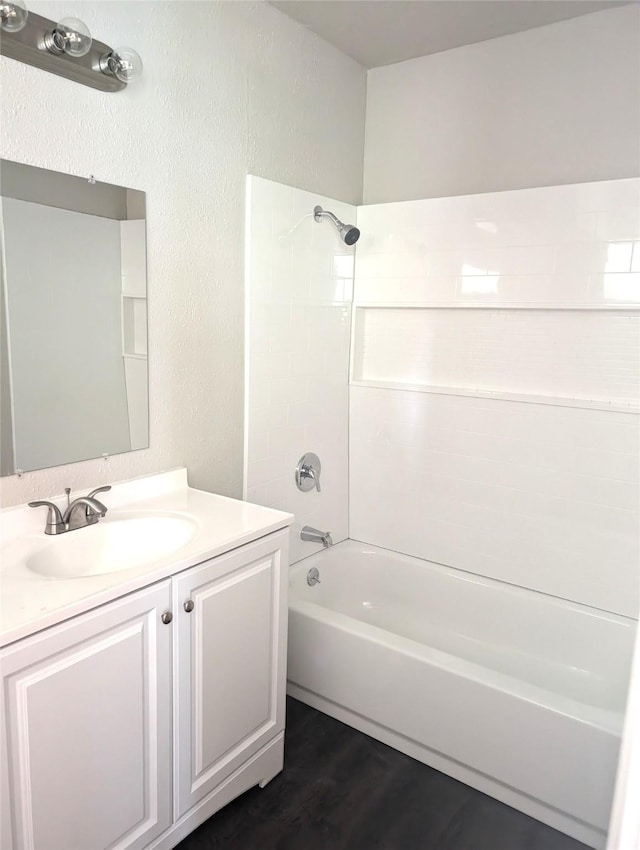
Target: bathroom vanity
[[138, 701]]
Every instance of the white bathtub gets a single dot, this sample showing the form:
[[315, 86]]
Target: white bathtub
[[518, 694]]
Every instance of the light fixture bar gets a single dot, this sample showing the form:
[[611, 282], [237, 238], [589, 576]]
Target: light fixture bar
[[28, 45]]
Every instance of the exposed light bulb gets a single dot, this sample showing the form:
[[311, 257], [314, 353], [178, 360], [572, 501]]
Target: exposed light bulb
[[70, 36], [13, 15], [124, 63]]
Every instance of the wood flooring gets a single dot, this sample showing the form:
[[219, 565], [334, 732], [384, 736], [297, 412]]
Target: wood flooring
[[341, 790]]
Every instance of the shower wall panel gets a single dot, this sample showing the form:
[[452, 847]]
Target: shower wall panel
[[494, 398], [299, 280]]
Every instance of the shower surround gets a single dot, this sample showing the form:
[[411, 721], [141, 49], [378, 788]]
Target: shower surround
[[495, 379], [492, 424], [299, 288]]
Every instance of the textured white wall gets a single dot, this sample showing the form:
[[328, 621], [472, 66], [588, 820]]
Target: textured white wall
[[299, 285], [554, 105], [229, 88]]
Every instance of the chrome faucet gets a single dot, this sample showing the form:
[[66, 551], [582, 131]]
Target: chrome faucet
[[73, 517], [316, 536]]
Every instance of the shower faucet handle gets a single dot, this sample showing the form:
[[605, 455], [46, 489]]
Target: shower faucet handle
[[308, 472]]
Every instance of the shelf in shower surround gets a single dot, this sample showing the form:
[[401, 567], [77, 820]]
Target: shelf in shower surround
[[134, 325], [523, 398], [568, 358]]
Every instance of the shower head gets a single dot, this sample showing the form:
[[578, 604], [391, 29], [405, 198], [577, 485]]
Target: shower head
[[347, 232]]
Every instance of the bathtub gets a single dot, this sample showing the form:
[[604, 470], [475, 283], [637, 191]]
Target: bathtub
[[515, 693]]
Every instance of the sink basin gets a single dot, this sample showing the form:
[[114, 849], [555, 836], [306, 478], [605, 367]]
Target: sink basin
[[111, 545]]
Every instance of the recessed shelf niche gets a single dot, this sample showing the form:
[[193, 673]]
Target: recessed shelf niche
[[134, 326], [134, 288], [572, 356]]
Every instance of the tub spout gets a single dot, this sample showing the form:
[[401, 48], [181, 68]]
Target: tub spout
[[316, 536]]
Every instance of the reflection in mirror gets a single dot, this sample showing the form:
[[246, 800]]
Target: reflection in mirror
[[73, 346]]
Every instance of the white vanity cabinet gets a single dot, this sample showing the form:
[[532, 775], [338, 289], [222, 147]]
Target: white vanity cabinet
[[86, 719], [230, 665], [129, 725]]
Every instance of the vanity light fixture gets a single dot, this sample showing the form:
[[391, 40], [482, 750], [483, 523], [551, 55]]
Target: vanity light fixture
[[65, 48], [13, 16], [123, 62], [71, 36]]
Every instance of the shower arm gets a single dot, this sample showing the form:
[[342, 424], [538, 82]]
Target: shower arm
[[318, 212]]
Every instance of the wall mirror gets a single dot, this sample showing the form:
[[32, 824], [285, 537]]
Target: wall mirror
[[73, 336]]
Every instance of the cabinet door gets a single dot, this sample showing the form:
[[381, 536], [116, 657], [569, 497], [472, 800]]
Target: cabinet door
[[230, 657], [86, 731]]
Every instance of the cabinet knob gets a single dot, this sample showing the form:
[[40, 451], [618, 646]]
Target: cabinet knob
[[188, 606], [167, 617]]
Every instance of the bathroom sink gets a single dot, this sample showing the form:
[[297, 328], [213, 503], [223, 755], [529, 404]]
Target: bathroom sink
[[111, 545]]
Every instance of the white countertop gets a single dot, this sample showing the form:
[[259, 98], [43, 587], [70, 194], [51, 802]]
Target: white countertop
[[30, 602]]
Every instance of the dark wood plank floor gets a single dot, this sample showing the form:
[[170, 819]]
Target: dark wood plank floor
[[341, 790]]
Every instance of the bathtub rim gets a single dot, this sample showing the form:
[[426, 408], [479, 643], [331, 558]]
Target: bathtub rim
[[447, 569], [608, 719]]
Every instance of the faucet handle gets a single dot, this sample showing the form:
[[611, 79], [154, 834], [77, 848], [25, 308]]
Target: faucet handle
[[104, 489], [55, 523], [91, 514], [308, 472]]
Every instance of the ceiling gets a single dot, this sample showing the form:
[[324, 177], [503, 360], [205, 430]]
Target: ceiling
[[381, 32]]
